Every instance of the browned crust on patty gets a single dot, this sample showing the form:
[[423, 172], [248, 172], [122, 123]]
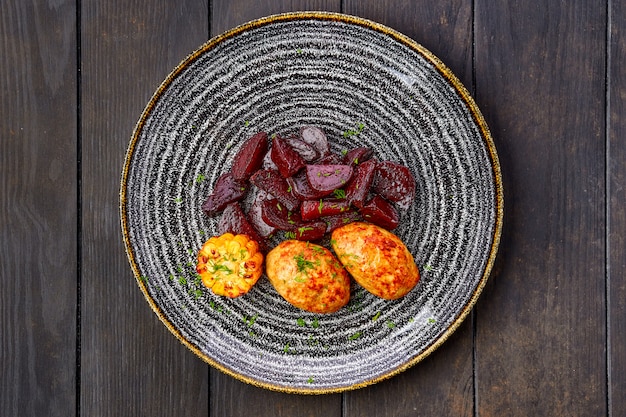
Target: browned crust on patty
[[376, 258], [308, 276]]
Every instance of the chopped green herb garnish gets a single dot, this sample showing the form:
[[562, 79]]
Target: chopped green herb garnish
[[303, 264], [219, 267], [376, 316], [303, 229], [250, 320], [354, 336], [301, 322], [350, 132], [317, 249], [340, 194]]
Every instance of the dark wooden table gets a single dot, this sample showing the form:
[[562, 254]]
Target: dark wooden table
[[547, 337]]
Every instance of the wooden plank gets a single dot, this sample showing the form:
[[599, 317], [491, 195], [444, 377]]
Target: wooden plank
[[228, 14], [130, 363], [541, 332], [230, 397], [38, 205], [442, 385], [617, 209]]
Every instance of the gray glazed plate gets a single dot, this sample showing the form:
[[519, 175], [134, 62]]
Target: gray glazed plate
[[340, 73]]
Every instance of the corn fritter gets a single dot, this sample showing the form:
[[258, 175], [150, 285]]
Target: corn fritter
[[230, 264]]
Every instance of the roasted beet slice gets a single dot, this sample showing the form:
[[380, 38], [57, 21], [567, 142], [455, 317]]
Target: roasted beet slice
[[268, 163], [315, 137], [287, 159], [300, 187], [338, 220], [250, 157], [234, 221], [306, 151], [330, 159], [227, 190], [277, 215], [328, 177], [310, 231], [394, 182], [314, 209], [255, 216], [380, 212], [272, 182], [358, 189], [358, 155]]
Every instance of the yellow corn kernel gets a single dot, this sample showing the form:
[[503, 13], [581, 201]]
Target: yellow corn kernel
[[230, 265]]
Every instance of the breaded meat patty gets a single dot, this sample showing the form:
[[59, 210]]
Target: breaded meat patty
[[376, 258], [308, 276]]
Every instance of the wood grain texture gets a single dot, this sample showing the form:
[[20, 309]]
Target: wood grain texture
[[230, 397], [130, 363], [38, 205], [76, 335], [617, 209], [540, 344], [226, 14]]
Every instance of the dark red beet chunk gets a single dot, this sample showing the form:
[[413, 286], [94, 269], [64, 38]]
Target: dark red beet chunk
[[286, 158], [234, 221], [328, 177], [357, 155], [315, 137], [306, 151], [358, 189], [301, 188], [272, 182], [227, 190], [380, 212], [314, 209], [277, 215], [268, 163], [338, 220], [255, 216], [330, 159], [311, 231], [394, 182], [250, 156]]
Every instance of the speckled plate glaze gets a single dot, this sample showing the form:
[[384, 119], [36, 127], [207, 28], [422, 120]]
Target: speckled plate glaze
[[337, 72]]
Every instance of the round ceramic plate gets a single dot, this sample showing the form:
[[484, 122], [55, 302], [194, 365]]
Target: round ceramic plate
[[365, 85]]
